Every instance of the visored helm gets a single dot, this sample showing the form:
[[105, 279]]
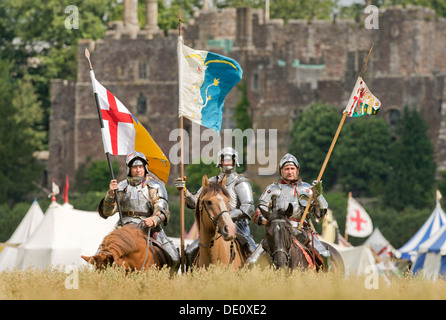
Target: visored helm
[[288, 158], [136, 158], [227, 153]]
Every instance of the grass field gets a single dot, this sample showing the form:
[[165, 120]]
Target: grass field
[[216, 283]]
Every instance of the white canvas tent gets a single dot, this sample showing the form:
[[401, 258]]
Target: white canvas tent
[[435, 221], [380, 244], [63, 236], [356, 259], [24, 230], [431, 259]]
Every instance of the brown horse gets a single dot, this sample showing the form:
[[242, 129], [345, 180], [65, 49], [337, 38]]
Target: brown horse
[[128, 247], [216, 229], [286, 251]]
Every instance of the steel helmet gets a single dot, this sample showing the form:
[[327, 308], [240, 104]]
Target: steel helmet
[[136, 158], [286, 159], [227, 153]]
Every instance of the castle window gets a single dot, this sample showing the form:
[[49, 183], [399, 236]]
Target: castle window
[[141, 104], [142, 70], [393, 118], [255, 82]]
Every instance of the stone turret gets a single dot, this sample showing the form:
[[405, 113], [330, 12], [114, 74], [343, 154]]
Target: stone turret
[[130, 18], [152, 16]]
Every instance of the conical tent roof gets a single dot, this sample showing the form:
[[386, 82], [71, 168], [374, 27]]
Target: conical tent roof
[[436, 220], [431, 257], [380, 244], [63, 236], [24, 230]]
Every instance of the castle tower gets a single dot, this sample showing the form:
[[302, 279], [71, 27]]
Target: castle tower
[[130, 18], [152, 16]]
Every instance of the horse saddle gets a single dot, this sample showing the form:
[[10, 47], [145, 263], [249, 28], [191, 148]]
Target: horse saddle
[[160, 252]]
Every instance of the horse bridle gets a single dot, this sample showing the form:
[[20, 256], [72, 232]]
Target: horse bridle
[[214, 222], [287, 254]]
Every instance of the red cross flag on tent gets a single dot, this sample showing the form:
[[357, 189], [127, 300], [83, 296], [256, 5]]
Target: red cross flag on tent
[[358, 222]]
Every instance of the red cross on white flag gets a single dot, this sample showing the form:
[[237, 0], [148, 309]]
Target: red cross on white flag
[[118, 134], [358, 222]]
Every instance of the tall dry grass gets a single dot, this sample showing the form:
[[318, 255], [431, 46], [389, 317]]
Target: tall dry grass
[[215, 283]]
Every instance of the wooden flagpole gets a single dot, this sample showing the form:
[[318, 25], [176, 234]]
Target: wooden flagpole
[[98, 106], [348, 202], [338, 131], [181, 161]]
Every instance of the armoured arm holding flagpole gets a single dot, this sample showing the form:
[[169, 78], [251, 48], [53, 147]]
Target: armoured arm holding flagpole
[[87, 55], [180, 102], [338, 131]]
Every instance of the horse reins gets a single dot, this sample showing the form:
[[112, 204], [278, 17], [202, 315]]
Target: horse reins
[[287, 254], [214, 222]]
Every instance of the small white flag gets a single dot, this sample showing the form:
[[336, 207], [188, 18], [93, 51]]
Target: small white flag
[[358, 223]]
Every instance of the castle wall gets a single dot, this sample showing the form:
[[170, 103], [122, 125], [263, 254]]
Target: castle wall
[[286, 67]]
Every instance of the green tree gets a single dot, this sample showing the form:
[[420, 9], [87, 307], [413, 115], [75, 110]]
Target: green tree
[[362, 156], [302, 9], [288, 9], [95, 177], [242, 118], [412, 173], [19, 168], [40, 40], [439, 6], [311, 136], [195, 173], [442, 187], [168, 12], [31, 113]]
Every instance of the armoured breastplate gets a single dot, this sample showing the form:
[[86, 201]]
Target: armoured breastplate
[[288, 195], [231, 180], [136, 198]]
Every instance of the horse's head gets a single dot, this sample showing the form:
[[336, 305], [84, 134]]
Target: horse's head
[[212, 210], [118, 248], [278, 234], [100, 260]]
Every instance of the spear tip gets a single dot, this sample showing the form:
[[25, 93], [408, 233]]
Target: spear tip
[[87, 55]]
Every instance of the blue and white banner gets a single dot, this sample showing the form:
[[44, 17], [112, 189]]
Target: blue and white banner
[[205, 78]]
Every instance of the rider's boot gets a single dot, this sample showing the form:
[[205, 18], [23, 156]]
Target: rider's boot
[[247, 243], [171, 250], [323, 252], [190, 253]]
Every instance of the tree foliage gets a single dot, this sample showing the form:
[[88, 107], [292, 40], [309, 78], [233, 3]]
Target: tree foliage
[[18, 166], [412, 175], [362, 156], [95, 176], [311, 136]]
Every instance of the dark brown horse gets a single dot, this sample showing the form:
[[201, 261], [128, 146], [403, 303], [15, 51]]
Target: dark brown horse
[[128, 247], [287, 252], [216, 228]]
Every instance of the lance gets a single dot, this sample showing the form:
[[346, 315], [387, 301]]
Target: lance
[[180, 79], [338, 131], [98, 106]]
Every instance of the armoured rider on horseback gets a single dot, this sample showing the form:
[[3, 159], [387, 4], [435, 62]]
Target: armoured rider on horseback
[[142, 198], [241, 203], [293, 191]]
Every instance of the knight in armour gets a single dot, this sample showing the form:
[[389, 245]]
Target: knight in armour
[[143, 201], [241, 204], [292, 190]]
